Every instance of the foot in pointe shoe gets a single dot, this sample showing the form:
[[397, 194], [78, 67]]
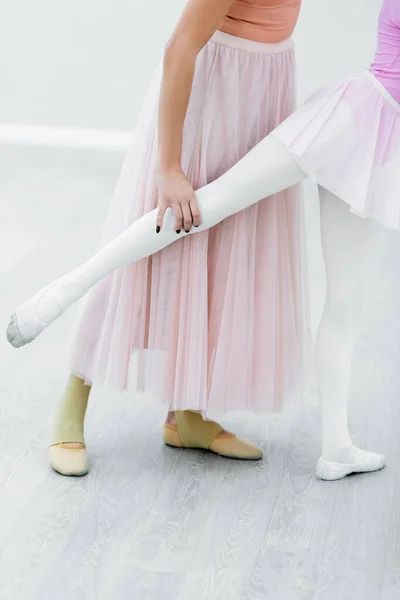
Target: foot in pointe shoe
[[191, 431], [69, 458], [32, 317], [359, 461]]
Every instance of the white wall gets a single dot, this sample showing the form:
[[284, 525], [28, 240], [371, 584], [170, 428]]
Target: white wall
[[86, 63], [80, 63], [334, 38]]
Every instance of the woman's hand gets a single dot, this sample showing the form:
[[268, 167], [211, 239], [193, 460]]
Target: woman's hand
[[198, 22], [175, 192]]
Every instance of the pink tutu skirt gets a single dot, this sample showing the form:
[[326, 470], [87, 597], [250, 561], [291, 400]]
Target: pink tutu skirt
[[217, 321], [347, 138]]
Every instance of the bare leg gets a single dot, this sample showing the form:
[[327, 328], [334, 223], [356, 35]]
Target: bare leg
[[264, 171], [344, 243]]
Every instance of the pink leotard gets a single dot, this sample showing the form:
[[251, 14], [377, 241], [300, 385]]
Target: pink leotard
[[386, 64]]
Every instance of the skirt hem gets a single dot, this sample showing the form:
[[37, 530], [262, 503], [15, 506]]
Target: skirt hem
[[345, 139]]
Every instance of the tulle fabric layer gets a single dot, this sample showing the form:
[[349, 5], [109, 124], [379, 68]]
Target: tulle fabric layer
[[218, 321], [347, 138]]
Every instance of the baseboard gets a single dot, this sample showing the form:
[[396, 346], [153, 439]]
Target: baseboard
[[64, 137]]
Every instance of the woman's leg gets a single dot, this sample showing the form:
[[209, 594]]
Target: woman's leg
[[265, 170], [344, 243], [67, 450]]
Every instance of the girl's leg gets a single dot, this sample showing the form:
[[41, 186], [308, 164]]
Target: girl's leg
[[344, 236], [265, 170], [67, 451]]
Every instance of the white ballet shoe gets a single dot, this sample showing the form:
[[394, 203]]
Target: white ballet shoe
[[32, 317], [366, 463], [68, 460]]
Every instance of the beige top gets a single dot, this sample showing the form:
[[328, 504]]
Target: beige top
[[269, 21]]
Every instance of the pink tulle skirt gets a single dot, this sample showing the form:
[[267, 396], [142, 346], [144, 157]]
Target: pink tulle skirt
[[347, 138], [217, 321]]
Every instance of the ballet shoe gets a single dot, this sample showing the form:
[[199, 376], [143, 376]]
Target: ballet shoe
[[367, 462], [33, 316], [192, 431], [68, 459]]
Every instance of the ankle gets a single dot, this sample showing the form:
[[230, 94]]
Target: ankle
[[69, 418], [171, 420], [340, 453], [71, 445]]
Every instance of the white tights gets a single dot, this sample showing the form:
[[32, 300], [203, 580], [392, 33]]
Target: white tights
[[267, 169], [349, 247]]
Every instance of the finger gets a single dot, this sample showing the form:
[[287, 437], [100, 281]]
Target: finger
[[194, 209], [187, 217], [178, 217], [160, 218]]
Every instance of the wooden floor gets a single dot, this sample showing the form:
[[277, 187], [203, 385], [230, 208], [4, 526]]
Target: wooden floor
[[154, 523]]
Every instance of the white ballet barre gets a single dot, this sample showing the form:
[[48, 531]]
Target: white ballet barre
[[64, 137]]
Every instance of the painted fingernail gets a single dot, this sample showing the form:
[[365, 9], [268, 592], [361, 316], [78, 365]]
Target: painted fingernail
[[196, 226], [178, 231], [158, 229], [187, 230]]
